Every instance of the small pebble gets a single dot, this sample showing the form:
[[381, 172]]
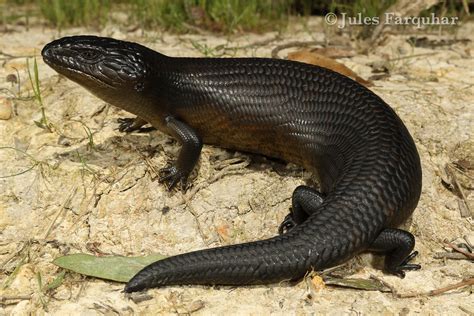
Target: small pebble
[[64, 141], [6, 108]]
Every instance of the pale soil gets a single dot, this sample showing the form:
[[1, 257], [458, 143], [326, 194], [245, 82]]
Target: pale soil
[[104, 201]]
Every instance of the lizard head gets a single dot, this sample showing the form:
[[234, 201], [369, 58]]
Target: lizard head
[[115, 71]]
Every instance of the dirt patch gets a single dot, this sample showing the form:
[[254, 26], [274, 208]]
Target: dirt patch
[[100, 197]]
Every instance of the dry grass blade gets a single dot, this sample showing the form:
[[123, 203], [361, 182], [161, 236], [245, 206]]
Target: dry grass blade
[[34, 164], [61, 210]]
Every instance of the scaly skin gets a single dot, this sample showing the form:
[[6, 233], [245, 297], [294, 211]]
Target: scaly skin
[[366, 160]]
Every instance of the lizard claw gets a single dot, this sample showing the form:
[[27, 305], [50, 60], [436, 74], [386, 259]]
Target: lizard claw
[[126, 124], [287, 224], [172, 175], [405, 266]]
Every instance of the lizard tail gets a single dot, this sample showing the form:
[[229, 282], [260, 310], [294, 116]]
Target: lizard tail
[[263, 261], [315, 244]]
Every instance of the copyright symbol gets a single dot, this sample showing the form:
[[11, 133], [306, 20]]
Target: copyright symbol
[[331, 18]]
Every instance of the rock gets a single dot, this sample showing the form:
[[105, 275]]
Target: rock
[[469, 239], [5, 220], [6, 108], [25, 280], [22, 308]]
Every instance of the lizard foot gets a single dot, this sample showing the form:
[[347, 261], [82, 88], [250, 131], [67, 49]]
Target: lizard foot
[[171, 176], [405, 266], [128, 125], [287, 224]]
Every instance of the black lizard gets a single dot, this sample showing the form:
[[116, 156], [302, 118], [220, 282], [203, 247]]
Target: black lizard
[[367, 162]]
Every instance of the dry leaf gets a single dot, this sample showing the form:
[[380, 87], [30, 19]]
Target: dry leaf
[[223, 231], [333, 52], [313, 58]]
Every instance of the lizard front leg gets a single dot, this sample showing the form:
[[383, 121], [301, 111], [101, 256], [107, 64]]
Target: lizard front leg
[[191, 145]]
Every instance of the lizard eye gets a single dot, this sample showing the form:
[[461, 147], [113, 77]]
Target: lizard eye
[[90, 54]]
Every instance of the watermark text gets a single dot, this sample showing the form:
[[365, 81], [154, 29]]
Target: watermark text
[[389, 18]]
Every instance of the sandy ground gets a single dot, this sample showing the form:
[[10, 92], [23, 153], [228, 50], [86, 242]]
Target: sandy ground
[[104, 200]]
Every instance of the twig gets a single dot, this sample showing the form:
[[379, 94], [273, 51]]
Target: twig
[[79, 293], [411, 56], [459, 169], [445, 289], [10, 300], [463, 283], [15, 297], [465, 310], [153, 170], [460, 250], [449, 255]]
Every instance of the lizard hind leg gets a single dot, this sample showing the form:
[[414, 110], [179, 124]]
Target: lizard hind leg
[[304, 201], [398, 245]]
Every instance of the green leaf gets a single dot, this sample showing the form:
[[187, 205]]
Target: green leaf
[[40, 280], [115, 268], [39, 124], [37, 84], [58, 280]]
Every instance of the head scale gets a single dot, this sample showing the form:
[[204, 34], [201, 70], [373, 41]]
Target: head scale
[[105, 66]]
